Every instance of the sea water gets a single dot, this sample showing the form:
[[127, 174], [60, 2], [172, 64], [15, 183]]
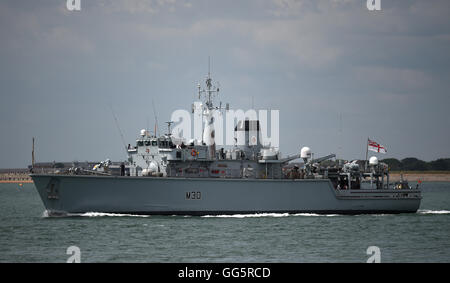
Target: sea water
[[27, 234]]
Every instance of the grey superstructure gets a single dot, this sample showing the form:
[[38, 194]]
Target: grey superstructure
[[170, 176]]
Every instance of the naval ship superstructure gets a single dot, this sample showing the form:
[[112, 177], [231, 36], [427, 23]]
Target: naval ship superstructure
[[167, 175]]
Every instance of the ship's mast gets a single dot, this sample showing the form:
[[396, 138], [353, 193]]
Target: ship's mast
[[208, 109], [168, 126]]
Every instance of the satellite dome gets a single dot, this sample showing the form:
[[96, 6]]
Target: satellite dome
[[373, 161], [305, 152], [153, 167]]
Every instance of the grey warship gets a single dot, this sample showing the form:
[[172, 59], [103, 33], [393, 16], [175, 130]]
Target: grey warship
[[165, 175]]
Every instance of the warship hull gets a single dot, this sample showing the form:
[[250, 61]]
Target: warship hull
[[74, 194]]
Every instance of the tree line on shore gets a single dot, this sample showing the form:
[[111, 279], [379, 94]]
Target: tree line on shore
[[414, 164]]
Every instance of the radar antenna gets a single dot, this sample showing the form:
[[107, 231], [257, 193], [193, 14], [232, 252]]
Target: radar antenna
[[169, 123], [210, 91]]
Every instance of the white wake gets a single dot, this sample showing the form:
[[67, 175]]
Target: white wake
[[257, 215], [47, 214], [101, 214]]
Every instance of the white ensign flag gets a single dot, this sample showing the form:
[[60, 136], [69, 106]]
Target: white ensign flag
[[373, 146]]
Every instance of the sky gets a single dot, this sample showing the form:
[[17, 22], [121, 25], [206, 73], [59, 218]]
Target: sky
[[337, 72]]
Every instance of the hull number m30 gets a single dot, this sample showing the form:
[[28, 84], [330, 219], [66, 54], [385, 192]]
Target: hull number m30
[[194, 195]]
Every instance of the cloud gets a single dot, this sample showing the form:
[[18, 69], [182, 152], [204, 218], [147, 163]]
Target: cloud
[[64, 38], [397, 80], [312, 49], [312, 59], [298, 8], [141, 6], [289, 7]]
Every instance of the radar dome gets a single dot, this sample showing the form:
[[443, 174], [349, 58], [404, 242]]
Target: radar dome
[[153, 167], [373, 161], [143, 132], [305, 152]]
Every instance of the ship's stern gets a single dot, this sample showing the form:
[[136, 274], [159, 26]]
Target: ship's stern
[[48, 187]]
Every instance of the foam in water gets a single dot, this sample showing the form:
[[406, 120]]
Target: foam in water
[[101, 214], [46, 214], [256, 215], [249, 215], [427, 211], [315, 214]]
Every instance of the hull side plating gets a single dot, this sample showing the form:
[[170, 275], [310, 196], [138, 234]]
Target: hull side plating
[[204, 196]]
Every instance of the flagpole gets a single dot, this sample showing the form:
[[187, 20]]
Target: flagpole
[[367, 153]]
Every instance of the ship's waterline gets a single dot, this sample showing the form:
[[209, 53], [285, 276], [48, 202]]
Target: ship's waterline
[[203, 196], [168, 175]]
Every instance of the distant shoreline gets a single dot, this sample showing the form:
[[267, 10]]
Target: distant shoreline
[[411, 176], [423, 176], [17, 182], [15, 176]]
